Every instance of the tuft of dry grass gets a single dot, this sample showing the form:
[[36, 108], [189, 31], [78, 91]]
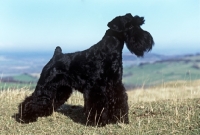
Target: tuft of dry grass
[[172, 108], [172, 90]]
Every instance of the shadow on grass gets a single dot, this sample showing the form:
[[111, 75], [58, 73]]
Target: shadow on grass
[[16, 116], [76, 113]]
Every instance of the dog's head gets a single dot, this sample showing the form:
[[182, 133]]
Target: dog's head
[[52, 75], [137, 40]]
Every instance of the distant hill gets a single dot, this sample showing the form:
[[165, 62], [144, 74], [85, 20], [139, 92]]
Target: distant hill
[[131, 59], [20, 63], [18, 81], [150, 70], [21, 78], [146, 74], [12, 64]]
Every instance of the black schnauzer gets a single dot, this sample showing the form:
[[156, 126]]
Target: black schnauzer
[[95, 72]]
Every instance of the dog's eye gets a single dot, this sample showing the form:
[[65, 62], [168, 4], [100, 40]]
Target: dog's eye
[[131, 27]]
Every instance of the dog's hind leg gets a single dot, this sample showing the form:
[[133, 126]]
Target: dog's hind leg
[[42, 103]]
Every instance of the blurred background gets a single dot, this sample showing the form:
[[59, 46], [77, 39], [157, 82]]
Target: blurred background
[[30, 31]]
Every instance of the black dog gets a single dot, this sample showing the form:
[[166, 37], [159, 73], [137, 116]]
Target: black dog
[[96, 72]]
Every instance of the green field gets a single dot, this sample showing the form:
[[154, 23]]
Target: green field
[[25, 78], [160, 72], [19, 81]]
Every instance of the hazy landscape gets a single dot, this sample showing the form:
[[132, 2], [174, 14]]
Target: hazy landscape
[[20, 70]]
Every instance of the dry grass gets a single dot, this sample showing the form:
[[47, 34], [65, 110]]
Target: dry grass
[[172, 108], [172, 90]]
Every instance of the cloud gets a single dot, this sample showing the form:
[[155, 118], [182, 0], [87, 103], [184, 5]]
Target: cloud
[[3, 58]]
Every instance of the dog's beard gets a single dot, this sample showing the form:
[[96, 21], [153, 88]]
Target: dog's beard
[[139, 41]]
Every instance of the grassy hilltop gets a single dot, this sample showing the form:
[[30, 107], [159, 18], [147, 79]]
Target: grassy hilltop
[[170, 108]]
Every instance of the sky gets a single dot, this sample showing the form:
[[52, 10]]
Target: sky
[[75, 25]]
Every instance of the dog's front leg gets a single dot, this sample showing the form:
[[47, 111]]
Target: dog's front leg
[[96, 107]]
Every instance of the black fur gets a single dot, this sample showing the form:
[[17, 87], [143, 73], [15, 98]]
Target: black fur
[[95, 72]]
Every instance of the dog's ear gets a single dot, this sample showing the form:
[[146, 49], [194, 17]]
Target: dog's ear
[[126, 22], [57, 53], [116, 24], [120, 23]]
